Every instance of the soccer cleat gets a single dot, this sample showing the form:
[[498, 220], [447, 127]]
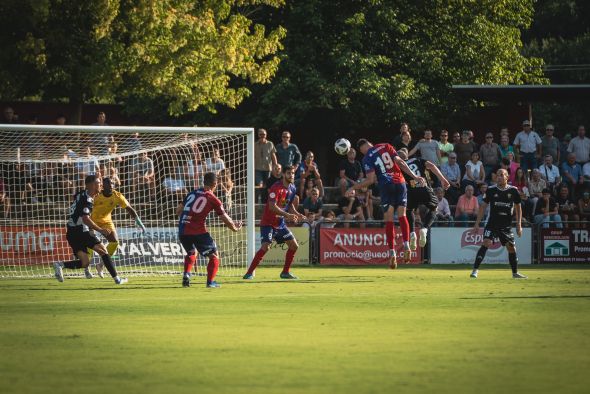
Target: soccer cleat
[[100, 269], [248, 276], [59, 273], [287, 275], [392, 260], [121, 281], [213, 285], [88, 274], [518, 275], [186, 281], [413, 241], [423, 237], [473, 274], [406, 256]]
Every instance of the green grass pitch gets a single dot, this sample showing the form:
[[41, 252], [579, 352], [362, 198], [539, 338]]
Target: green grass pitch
[[341, 330]]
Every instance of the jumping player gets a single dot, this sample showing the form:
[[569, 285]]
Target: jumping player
[[421, 195], [104, 204], [382, 163], [80, 233], [192, 232], [279, 206], [503, 200]]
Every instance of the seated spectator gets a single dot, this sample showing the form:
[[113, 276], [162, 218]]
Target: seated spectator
[[567, 208], [536, 184], [573, 174], [144, 176], [113, 174], [175, 188], [215, 163], [584, 207], [226, 186], [474, 172], [365, 196], [443, 211], [350, 208], [483, 188], [550, 172], [511, 165], [312, 206], [275, 175], [467, 207], [351, 171], [520, 179], [505, 146], [308, 169], [546, 211], [87, 165], [527, 207], [563, 145], [452, 172], [586, 175]]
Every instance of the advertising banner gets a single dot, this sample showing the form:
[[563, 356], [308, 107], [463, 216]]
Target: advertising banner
[[459, 245], [30, 245], [564, 245], [276, 253], [359, 246]]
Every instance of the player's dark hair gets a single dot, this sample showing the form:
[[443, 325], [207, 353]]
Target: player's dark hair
[[361, 142], [210, 178], [287, 168], [90, 179]]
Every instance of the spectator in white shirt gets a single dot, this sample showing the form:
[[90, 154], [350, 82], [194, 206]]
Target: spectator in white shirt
[[550, 172], [528, 144], [580, 145], [443, 211]]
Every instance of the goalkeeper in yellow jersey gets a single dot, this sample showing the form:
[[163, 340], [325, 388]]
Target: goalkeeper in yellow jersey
[[104, 204]]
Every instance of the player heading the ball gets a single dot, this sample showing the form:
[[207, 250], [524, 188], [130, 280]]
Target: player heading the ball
[[192, 232], [80, 233], [382, 164], [279, 207]]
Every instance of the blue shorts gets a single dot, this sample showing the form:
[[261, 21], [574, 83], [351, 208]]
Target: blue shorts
[[393, 195], [280, 235], [203, 243]]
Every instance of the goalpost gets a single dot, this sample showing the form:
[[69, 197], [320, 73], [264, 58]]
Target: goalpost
[[41, 167]]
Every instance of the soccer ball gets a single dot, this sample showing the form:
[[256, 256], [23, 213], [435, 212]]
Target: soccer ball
[[342, 146]]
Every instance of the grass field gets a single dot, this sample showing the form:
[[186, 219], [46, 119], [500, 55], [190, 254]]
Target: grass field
[[345, 330]]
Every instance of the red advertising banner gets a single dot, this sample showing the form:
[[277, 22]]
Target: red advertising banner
[[28, 245], [564, 245], [359, 246]]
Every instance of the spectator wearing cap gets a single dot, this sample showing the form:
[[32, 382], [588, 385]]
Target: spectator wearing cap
[[490, 155], [452, 172], [528, 146], [288, 154], [445, 147], [550, 172], [580, 145], [547, 211], [550, 144]]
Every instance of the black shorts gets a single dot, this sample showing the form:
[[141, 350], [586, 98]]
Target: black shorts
[[203, 243], [502, 234], [81, 240], [421, 196]]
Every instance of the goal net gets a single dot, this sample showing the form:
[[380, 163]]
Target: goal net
[[42, 167]]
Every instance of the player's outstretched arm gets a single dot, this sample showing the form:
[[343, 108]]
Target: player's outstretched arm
[[518, 214], [229, 223], [482, 209], [434, 169], [133, 213]]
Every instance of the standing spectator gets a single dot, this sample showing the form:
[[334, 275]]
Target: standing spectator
[[456, 138], [464, 149], [101, 119], [505, 146], [467, 207], [584, 207], [351, 171], [144, 174], [215, 163], [490, 155], [452, 172], [275, 175], [528, 146], [101, 141], [445, 147], [350, 208], [550, 144], [405, 142], [4, 200], [580, 145], [443, 211], [573, 175], [550, 173], [546, 211], [87, 166], [264, 157], [365, 196], [404, 128], [567, 207], [428, 148], [9, 116], [308, 169], [60, 120], [288, 154], [475, 173], [313, 206], [472, 139], [563, 145], [504, 132]]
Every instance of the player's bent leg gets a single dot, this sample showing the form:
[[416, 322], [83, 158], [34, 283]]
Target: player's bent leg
[[108, 263], [264, 246], [212, 268], [481, 254]]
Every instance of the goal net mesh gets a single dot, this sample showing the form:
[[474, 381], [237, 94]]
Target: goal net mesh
[[41, 170]]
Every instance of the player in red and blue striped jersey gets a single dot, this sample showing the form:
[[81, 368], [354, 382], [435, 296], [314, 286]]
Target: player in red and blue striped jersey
[[192, 232], [279, 207], [382, 164]]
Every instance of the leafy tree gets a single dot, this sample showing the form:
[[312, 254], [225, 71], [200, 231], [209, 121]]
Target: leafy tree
[[190, 54]]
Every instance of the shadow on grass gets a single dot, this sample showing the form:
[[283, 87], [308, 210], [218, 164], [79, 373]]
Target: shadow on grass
[[525, 297]]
